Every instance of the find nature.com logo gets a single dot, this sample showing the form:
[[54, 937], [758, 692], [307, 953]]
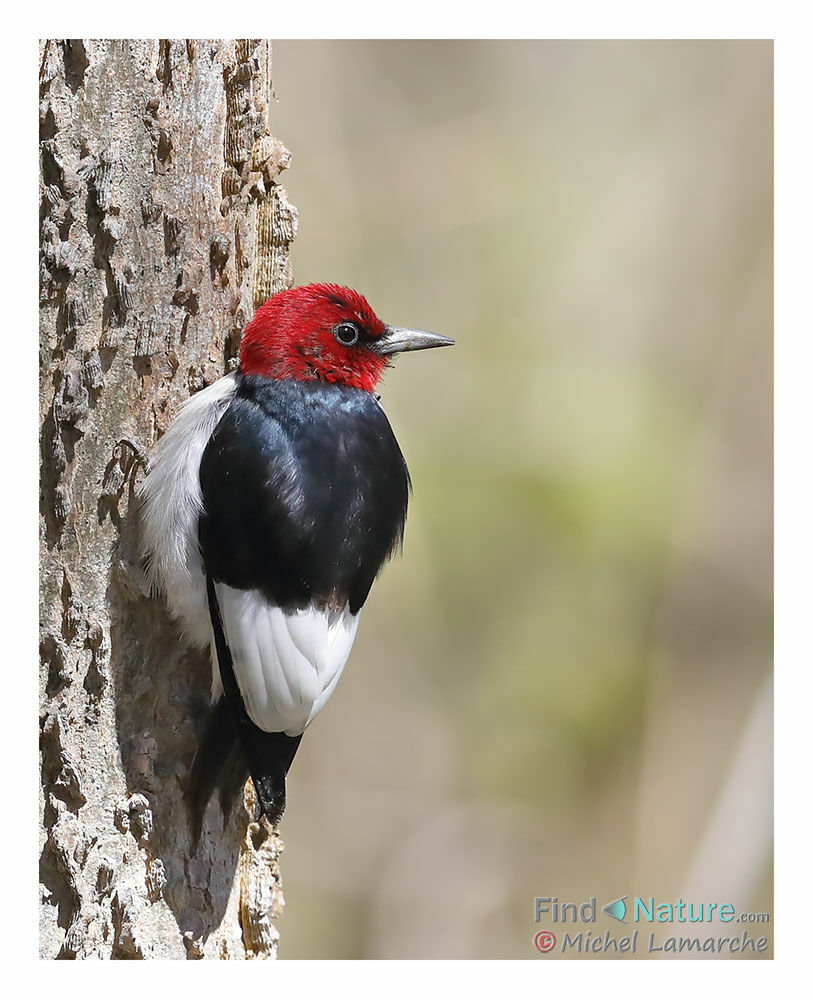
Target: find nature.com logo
[[644, 910]]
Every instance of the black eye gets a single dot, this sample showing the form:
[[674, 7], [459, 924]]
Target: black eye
[[346, 333]]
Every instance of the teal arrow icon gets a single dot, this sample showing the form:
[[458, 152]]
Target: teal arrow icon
[[616, 909]]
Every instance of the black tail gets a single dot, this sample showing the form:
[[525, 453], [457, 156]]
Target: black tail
[[219, 763], [233, 746]]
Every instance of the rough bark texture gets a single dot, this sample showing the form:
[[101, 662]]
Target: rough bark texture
[[162, 228]]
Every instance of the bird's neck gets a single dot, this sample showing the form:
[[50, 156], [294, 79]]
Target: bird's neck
[[364, 373]]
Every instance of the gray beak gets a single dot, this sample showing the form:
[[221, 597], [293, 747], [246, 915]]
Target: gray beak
[[396, 339]]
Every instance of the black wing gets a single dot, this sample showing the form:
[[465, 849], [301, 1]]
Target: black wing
[[304, 492]]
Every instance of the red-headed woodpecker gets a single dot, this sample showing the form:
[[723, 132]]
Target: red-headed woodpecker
[[269, 507]]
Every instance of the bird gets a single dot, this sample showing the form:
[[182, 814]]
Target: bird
[[267, 510]]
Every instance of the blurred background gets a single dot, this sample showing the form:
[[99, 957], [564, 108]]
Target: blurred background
[[563, 687]]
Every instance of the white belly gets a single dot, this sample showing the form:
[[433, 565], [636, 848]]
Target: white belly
[[286, 665]]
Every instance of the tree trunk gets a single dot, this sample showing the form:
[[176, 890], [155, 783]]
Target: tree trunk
[[162, 229]]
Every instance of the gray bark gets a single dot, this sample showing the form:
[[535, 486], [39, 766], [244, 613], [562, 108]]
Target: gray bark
[[162, 228]]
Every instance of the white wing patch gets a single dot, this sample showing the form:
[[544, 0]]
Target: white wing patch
[[286, 664], [173, 503]]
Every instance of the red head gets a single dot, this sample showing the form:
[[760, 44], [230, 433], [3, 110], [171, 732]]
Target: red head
[[323, 331]]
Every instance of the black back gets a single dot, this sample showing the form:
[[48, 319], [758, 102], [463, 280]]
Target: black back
[[304, 492]]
